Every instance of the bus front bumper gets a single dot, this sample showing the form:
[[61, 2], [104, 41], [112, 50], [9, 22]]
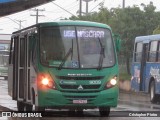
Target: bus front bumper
[[57, 99]]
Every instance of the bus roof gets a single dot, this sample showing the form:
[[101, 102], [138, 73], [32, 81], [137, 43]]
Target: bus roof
[[148, 38], [74, 22], [67, 22]]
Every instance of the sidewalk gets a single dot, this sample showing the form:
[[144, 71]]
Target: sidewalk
[[6, 101]]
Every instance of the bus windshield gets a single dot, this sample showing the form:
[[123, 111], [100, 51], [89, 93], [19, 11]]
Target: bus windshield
[[76, 47]]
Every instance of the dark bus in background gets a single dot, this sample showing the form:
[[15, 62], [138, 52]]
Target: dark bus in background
[[4, 55]]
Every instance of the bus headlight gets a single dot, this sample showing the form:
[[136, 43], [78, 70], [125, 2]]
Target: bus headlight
[[45, 80], [111, 83]]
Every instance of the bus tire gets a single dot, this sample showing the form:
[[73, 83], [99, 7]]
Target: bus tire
[[40, 109], [153, 96], [20, 106], [71, 113], [29, 107], [79, 112], [104, 111]]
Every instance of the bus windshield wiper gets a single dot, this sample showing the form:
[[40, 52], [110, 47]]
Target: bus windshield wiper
[[65, 58], [102, 55], [70, 51]]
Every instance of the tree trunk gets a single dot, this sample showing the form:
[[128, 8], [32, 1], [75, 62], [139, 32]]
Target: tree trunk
[[128, 65]]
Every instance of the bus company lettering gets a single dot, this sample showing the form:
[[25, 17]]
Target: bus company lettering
[[86, 34], [91, 34], [155, 72], [80, 74], [69, 33]]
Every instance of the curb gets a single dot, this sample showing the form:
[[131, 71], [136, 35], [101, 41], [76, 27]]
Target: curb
[[133, 92]]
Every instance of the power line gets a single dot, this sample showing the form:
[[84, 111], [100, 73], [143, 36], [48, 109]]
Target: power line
[[60, 11], [50, 19], [13, 21], [37, 14], [70, 5], [62, 8], [97, 5], [20, 23]]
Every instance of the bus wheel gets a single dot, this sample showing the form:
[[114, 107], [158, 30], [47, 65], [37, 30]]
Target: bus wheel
[[71, 112], [20, 106], [79, 112], [153, 97], [37, 108], [29, 107], [104, 111]]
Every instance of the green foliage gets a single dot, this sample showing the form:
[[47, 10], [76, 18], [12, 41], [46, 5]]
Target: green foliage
[[128, 23], [157, 30], [124, 76]]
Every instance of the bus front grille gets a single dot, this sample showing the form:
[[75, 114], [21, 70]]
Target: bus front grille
[[76, 86], [79, 78]]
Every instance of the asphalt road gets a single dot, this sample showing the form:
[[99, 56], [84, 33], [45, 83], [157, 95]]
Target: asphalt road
[[131, 106]]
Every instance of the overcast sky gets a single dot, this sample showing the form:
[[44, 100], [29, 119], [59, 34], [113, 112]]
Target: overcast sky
[[51, 12]]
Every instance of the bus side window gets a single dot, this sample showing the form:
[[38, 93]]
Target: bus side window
[[158, 52], [33, 51], [153, 51], [138, 52]]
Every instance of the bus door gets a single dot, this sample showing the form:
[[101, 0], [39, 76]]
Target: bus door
[[143, 67], [23, 69]]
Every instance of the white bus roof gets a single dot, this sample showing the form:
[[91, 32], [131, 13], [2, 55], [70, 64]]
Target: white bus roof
[[148, 38]]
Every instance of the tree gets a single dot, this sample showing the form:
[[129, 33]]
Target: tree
[[157, 30], [128, 22]]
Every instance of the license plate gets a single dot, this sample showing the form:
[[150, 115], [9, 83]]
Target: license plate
[[79, 101]]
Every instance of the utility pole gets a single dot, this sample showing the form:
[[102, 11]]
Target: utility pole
[[80, 8], [37, 14], [123, 4], [20, 23], [87, 1]]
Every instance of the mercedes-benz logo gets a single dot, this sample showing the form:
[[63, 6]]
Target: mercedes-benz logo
[[80, 87]]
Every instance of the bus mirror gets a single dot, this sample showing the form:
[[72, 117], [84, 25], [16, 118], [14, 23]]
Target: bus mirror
[[117, 41]]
